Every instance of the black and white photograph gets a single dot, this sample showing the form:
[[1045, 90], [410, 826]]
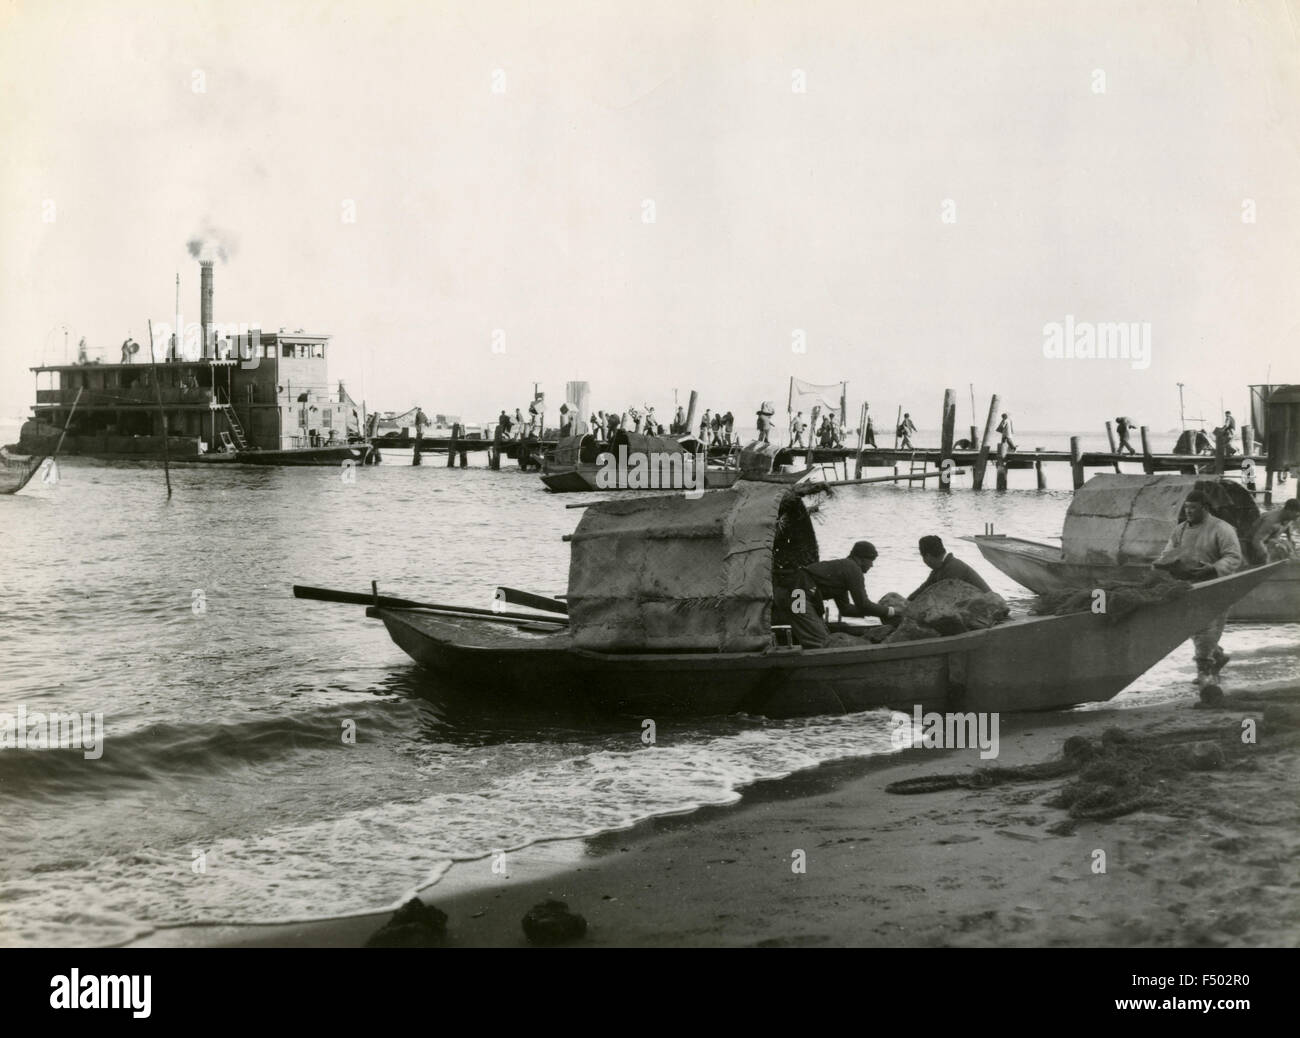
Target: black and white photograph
[[712, 475]]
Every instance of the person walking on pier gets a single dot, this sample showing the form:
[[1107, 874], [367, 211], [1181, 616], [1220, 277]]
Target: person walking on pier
[[796, 430], [764, 416], [1202, 547], [1004, 427], [1124, 426], [1229, 431], [728, 428], [869, 433], [705, 424], [905, 429]]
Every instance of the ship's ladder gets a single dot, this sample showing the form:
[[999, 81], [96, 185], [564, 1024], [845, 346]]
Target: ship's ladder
[[241, 441], [913, 467]]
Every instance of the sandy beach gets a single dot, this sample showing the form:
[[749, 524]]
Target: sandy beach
[[1206, 861]]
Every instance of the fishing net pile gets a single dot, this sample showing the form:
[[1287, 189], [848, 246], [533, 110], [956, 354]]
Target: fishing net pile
[[1121, 597], [1121, 772], [946, 608]]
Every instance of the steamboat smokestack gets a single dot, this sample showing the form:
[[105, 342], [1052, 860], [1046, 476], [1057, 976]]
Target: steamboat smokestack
[[205, 303]]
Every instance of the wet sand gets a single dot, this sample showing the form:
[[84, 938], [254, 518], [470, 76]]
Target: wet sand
[[1209, 862]]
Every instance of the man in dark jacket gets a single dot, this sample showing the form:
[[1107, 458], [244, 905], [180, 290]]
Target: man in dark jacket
[[799, 602], [945, 566]]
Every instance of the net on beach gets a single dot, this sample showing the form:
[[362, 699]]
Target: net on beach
[[1122, 772]]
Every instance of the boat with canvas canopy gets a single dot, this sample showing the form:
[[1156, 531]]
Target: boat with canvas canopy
[[669, 612], [1118, 523]]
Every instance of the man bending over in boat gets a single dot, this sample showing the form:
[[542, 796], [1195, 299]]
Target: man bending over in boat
[[1271, 537], [944, 565], [1200, 548], [800, 604]]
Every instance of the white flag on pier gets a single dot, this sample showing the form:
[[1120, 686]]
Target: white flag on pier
[[805, 395]]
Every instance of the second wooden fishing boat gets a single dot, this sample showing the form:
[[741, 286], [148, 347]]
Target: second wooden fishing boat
[[1117, 524]]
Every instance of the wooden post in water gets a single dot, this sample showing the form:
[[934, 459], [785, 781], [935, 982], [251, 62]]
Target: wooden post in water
[[974, 436], [690, 412], [494, 458], [451, 448], [981, 462], [945, 439], [1076, 461], [167, 462], [862, 440], [1110, 435], [1247, 440], [1038, 470], [1002, 465], [1148, 465]]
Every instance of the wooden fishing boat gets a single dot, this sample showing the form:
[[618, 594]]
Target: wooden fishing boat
[[1117, 524], [16, 470], [668, 612], [360, 453], [633, 461], [1036, 663]]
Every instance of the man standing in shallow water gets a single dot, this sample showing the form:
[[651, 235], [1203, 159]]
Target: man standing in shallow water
[[1202, 547]]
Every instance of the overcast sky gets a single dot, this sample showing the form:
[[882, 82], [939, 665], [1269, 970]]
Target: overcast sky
[[659, 196]]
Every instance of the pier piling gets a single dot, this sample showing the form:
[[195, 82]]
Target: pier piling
[[1076, 461], [1110, 435], [1002, 465], [945, 440], [1148, 465], [1039, 474], [982, 460]]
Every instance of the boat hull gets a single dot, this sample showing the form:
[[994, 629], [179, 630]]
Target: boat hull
[[1038, 663], [1040, 568], [581, 478], [360, 453], [17, 470]]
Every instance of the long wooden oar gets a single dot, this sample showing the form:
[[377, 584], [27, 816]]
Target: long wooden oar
[[324, 594], [526, 598]]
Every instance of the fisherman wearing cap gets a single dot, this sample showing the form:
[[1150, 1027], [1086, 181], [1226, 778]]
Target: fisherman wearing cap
[[800, 604], [1202, 547], [944, 565]]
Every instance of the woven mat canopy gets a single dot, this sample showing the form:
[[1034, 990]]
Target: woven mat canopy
[[1127, 519], [670, 573]]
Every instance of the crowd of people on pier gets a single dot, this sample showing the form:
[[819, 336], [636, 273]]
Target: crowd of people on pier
[[716, 428]]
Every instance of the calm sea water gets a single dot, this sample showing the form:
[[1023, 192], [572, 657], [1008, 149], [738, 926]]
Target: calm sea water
[[224, 727]]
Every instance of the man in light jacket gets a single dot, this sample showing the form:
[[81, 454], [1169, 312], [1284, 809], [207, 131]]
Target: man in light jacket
[[1202, 547]]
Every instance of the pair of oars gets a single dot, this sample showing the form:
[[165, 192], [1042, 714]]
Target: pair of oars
[[511, 595]]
